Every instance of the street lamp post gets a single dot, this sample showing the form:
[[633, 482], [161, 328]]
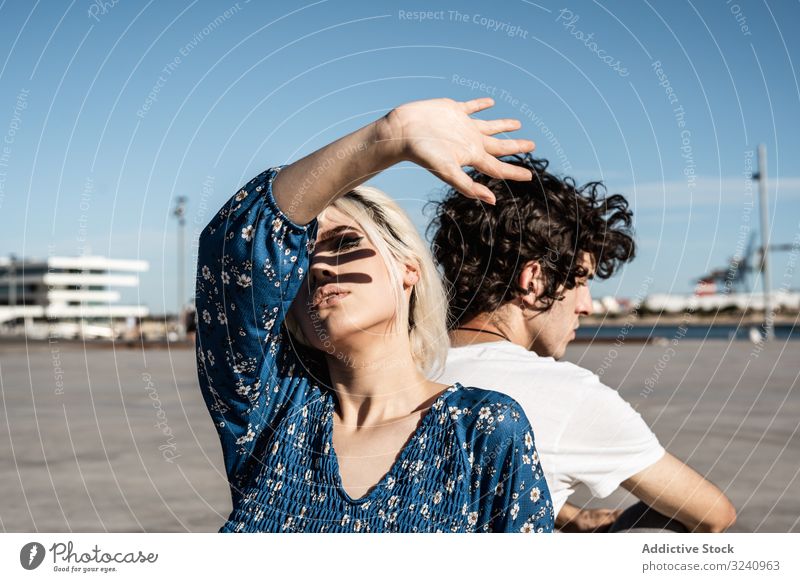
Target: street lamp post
[[761, 176], [180, 214], [12, 285]]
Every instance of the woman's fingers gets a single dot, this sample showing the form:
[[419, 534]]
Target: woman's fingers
[[507, 147], [458, 179], [494, 126], [482, 193], [475, 105], [491, 166]]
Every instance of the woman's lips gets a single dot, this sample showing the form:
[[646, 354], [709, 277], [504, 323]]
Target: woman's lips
[[328, 296], [331, 300]]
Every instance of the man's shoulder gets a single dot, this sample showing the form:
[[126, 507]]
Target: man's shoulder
[[542, 371]]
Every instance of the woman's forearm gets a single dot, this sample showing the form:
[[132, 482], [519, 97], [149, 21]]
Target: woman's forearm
[[436, 134], [306, 187]]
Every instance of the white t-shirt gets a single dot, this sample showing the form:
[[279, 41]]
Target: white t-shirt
[[584, 431]]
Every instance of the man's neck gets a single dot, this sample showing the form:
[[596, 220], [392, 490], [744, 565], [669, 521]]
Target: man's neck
[[485, 328]]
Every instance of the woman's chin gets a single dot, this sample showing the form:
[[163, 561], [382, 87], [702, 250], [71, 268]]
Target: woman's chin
[[339, 329]]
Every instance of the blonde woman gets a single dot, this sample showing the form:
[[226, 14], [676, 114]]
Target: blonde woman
[[320, 320]]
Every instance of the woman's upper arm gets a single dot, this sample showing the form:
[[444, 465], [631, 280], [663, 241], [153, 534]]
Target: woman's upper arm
[[515, 496], [251, 263]]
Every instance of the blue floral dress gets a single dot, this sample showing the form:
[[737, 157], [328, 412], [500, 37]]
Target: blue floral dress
[[470, 466]]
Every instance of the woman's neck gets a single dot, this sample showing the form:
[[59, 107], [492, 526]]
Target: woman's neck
[[377, 382]]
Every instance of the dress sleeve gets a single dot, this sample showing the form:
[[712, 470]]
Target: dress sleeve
[[251, 262], [514, 496]]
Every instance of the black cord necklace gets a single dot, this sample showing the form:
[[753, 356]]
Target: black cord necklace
[[485, 331]]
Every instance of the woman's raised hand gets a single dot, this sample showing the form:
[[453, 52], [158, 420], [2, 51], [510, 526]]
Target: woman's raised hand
[[437, 134], [440, 136]]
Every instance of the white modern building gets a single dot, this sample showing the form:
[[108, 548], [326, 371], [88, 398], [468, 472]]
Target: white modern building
[[67, 296], [779, 300]]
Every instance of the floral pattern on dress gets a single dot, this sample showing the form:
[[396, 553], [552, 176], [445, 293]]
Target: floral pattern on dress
[[470, 466]]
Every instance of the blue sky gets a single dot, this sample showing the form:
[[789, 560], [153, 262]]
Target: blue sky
[[108, 111]]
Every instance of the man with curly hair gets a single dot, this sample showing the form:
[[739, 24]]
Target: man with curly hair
[[517, 273]]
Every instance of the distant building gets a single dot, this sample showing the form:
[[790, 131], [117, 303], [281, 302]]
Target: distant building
[[739, 302], [68, 296]]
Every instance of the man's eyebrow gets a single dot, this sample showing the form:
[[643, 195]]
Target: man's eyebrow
[[334, 232]]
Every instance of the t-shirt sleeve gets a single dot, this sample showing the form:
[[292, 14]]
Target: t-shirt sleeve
[[251, 262], [605, 441], [512, 492]]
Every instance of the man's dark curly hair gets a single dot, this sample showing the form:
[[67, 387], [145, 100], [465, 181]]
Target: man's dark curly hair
[[481, 248]]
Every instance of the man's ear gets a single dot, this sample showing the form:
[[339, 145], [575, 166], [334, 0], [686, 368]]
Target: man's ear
[[531, 279]]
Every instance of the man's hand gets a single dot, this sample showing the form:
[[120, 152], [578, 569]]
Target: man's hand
[[574, 520], [440, 136]]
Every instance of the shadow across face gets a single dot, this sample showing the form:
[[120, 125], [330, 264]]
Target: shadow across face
[[348, 289]]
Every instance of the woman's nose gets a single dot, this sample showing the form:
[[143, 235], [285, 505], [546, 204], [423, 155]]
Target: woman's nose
[[321, 273]]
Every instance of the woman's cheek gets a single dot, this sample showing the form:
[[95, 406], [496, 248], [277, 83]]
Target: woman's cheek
[[378, 307]]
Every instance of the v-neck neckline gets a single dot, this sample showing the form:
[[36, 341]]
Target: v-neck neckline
[[401, 456]]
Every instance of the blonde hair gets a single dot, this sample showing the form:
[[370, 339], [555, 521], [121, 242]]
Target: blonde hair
[[397, 241]]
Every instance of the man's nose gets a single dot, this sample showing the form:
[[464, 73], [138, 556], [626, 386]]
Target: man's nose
[[585, 306]]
